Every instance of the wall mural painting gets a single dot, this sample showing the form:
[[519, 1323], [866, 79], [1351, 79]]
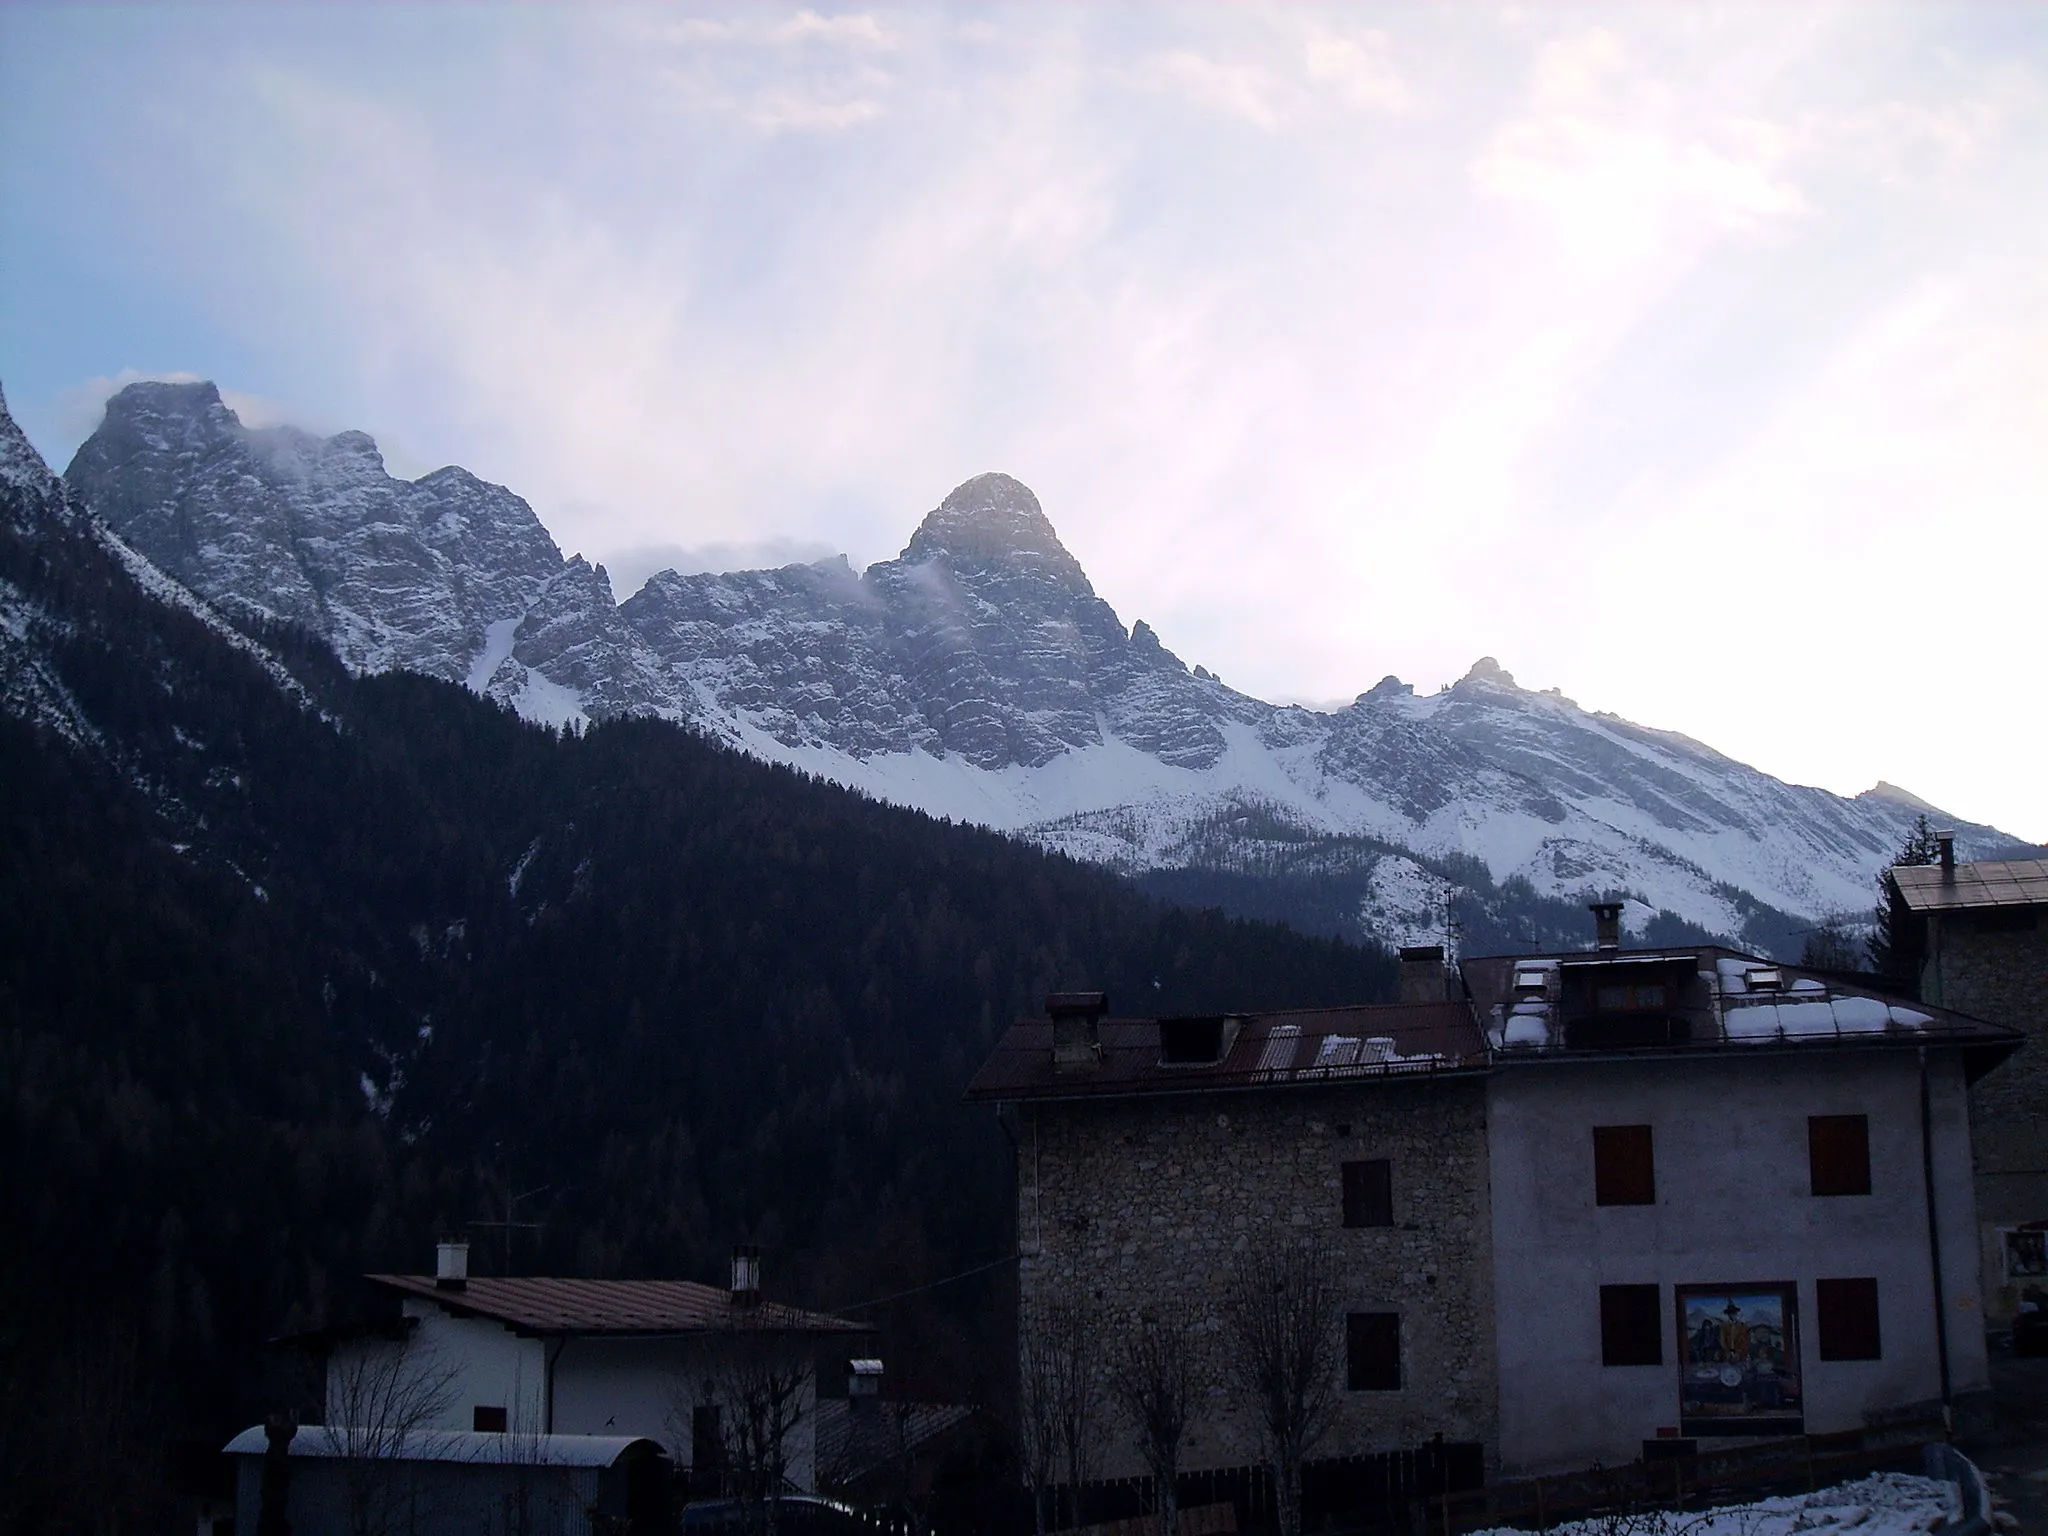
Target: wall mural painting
[[1738, 1359]]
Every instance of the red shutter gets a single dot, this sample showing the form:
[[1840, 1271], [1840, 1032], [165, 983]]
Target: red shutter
[[1624, 1165]]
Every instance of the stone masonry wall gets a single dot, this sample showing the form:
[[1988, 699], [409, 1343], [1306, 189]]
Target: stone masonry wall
[[1144, 1204], [2003, 976]]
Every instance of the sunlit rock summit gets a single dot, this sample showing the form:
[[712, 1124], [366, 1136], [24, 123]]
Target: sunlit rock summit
[[978, 675]]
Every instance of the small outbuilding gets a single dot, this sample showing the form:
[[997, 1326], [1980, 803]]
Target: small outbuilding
[[333, 1484]]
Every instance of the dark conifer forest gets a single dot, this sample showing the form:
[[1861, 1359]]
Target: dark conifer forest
[[294, 982]]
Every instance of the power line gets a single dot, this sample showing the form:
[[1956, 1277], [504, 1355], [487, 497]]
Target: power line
[[919, 1290]]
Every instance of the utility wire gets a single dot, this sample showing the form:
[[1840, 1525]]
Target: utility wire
[[919, 1290]]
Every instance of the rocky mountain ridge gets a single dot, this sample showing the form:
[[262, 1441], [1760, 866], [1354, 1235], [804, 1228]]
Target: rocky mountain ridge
[[980, 676]]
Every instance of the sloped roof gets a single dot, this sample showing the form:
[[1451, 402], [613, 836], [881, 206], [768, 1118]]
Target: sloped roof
[[854, 1438], [1297, 1046], [471, 1447], [537, 1304], [1987, 883]]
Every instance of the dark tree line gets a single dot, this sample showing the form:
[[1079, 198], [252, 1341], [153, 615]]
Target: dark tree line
[[287, 989]]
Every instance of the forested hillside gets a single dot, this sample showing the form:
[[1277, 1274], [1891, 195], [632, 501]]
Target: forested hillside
[[293, 980]]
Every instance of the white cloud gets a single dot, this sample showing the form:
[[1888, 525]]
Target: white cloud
[[1331, 349]]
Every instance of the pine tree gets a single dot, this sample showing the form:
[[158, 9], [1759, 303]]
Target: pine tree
[[1889, 921]]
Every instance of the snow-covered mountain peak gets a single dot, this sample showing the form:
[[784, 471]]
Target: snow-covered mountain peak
[[1488, 673], [994, 519], [980, 676]]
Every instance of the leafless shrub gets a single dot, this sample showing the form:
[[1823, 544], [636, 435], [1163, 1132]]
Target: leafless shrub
[[1280, 1316], [381, 1399], [1059, 1398], [1152, 1379]]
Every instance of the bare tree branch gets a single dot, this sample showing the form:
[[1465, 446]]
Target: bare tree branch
[[1152, 1379], [1281, 1319]]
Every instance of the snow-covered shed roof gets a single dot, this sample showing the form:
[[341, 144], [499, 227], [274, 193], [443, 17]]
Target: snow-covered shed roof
[[472, 1447]]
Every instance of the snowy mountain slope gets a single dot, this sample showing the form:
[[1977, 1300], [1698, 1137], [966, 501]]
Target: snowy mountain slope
[[977, 676]]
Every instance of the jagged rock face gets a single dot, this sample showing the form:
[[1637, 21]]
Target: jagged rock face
[[395, 573], [983, 641], [977, 675]]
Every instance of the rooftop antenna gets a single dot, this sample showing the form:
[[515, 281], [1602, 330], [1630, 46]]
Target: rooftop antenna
[[507, 1226]]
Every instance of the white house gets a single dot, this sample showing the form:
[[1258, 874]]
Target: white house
[[691, 1367]]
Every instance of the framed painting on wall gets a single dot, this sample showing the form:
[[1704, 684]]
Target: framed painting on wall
[[1738, 1359]]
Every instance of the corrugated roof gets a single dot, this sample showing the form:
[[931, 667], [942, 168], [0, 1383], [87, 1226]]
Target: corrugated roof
[[461, 1445], [538, 1304], [1297, 1046], [1987, 883]]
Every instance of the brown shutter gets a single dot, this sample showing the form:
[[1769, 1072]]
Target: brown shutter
[[1838, 1153], [1624, 1165], [1631, 1325], [1372, 1351], [1846, 1319], [1369, 1193]]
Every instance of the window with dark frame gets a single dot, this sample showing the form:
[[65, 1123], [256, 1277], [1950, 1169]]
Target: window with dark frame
[[1631, 1325], [489, 1421], [1372, 1351], [1845, 1319], [1624, 1165], [1369, 1193], [1838, 1153]]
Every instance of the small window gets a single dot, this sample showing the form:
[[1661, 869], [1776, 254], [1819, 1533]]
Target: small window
[[1764, 978], [1372, 1351], [1530, 981], [1369, 1193], [489, 1421], [1846, 1318], [1624, 1165], [1631, 1325], [1838, 1154]]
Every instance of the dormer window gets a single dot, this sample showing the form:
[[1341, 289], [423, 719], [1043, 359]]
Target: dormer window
[[1530, 981], [1764, 978], [1196, 1042]]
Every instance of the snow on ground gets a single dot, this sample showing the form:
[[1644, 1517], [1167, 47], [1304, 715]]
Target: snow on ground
[[1882, 1504]]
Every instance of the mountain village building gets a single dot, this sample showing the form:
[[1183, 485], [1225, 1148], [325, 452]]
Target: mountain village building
[[1975, 938], [484, 1390], [1578, 1202]]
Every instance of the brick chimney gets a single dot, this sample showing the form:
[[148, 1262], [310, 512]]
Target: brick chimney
[[1606, 924], [451, 1265], [1076, 1029], [1422, 973]]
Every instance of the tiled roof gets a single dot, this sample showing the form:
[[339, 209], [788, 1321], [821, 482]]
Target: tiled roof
[[536, 1304], [1298, 1046], [1989, 883]]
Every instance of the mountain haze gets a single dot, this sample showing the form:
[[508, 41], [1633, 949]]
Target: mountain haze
[[980, 676]]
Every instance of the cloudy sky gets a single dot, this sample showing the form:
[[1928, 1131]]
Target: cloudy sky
[[1693, 360]]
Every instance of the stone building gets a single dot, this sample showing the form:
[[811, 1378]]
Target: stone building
[[1975, 938], [1578, 1202], [1157, 1156]]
